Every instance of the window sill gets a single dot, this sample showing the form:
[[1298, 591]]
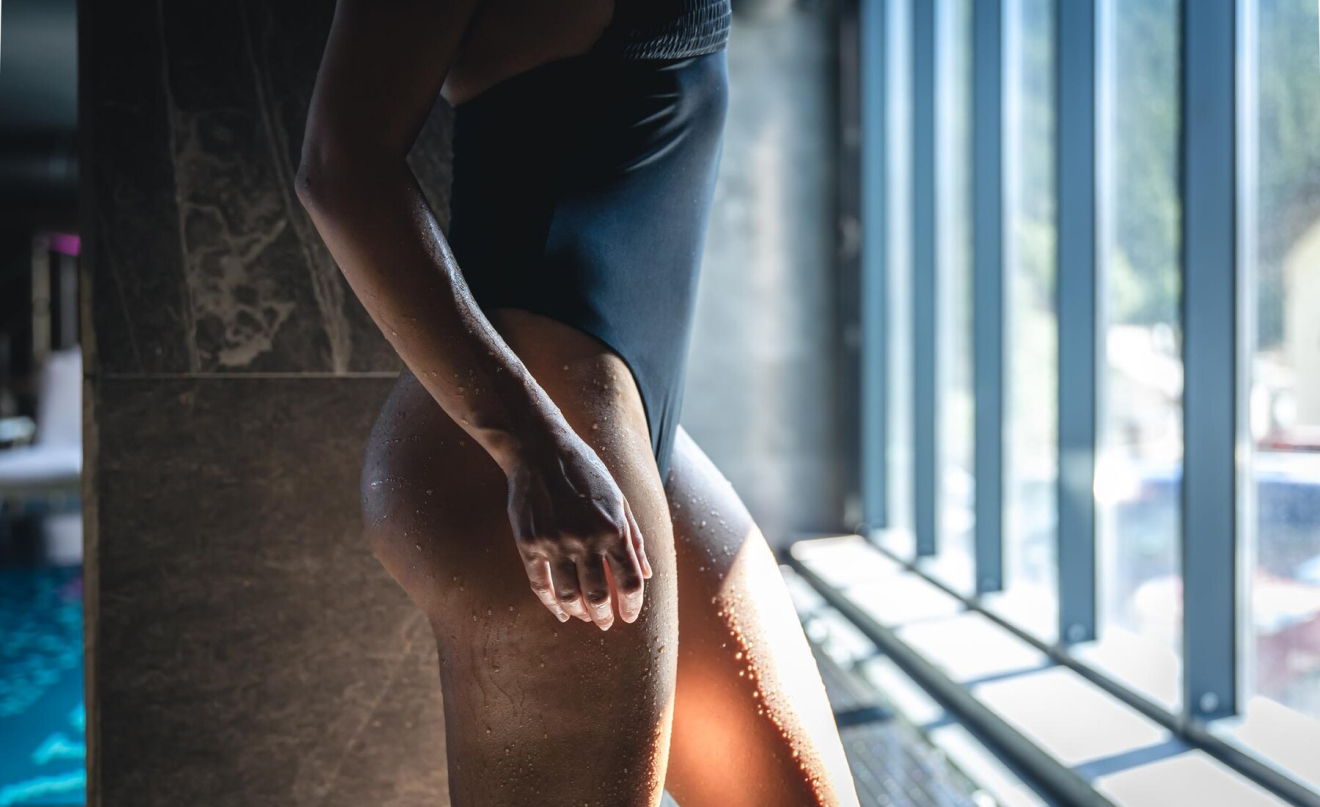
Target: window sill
[[1080, 741]]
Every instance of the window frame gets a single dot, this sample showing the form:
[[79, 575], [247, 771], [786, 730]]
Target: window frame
[[1212, 99]]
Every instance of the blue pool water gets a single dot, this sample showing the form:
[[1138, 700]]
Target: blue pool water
[[42, 717]]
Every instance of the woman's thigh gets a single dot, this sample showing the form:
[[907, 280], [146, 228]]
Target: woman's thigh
[[752, 725], [536, 711]]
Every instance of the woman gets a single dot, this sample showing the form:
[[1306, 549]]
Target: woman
[[529, 436]]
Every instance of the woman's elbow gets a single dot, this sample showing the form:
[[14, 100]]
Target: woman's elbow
[[323, 179], [314, 180], [333, 173]]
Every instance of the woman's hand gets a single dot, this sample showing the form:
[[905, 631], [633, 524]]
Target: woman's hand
[[577, 536]]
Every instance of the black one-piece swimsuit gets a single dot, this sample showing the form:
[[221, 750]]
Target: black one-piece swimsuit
[[582, 190]]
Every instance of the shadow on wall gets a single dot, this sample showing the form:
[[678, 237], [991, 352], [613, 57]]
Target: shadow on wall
[[763, 372]]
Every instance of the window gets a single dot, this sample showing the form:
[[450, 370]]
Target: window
[[1031, 322], [898, 262], [1139, 428], [1279, 264], [1098, 178], [953, 261]]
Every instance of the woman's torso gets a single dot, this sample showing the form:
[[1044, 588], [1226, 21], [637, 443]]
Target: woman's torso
[[508, 37]]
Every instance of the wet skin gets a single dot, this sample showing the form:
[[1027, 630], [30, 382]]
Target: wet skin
[[711, 692], [510, 483]]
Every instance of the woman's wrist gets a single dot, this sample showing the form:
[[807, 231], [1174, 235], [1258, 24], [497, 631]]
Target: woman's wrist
[[533, 431]]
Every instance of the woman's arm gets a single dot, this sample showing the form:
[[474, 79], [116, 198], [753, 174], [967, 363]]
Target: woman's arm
[[384, 65]]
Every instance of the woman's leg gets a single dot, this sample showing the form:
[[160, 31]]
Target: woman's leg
[[536, 712], [752, 725]]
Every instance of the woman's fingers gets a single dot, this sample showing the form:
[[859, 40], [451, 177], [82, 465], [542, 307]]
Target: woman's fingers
[[596, 590], [538, 572], [638, 546], [592, 587], [567, 590], [626, 575]]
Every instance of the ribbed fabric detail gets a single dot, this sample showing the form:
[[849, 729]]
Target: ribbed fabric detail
[[666, 29]]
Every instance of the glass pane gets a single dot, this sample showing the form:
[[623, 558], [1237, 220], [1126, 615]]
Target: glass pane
[[953, 258], [1139, 462], [1031, 377], [1281, 263], [898, 266]]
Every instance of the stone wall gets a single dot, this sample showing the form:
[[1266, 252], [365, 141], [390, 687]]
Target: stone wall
[[245, 648], [767, 360]]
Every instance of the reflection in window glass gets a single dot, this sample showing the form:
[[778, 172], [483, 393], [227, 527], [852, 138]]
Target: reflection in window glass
[[953, 257], [1139, 461], [1281, 264], [1031, 327], [898, 269]]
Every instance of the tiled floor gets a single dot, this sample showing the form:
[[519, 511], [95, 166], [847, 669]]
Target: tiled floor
[[891, 764], [41, 710]]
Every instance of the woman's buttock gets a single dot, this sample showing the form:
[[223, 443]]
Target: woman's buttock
[[592, 386], [424, 478], [508, 37], [535, 710]]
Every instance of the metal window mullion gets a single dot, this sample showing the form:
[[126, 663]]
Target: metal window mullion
[[874, 280], [1209, 357], [925, 443], [988, 290], [1248, 228], [1077, 97]]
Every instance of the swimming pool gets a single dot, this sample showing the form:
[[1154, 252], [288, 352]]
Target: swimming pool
[[42, 715]]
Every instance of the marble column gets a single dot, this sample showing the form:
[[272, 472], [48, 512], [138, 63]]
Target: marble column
[[244, 648]]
